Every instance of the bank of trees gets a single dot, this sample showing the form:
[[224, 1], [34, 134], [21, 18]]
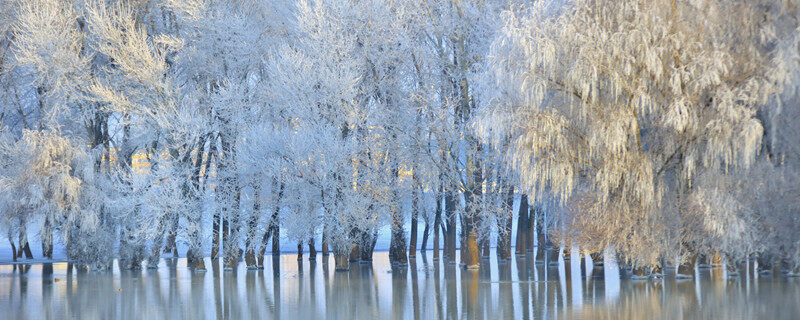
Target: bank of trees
[[228, 126]]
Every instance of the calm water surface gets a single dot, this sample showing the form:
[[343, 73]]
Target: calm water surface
[[288, 289]]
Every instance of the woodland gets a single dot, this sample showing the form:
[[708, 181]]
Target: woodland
[[664, 131]]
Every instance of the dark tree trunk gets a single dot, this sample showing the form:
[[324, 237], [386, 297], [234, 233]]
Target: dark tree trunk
[[425, 233], [172, 236], [531, 236], [312, 250], [300, 250], [412, 244], [13, 249], [541, 233], [397, 250], [276, 239], [325, 250], [437, 223], [368, 246], [274, 229], [24, 247], [450, 229], [522, 225]]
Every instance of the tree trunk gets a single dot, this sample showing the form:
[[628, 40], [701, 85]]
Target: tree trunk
[[312, 250], [437, 223], [686, 269], [450, 229], [541, 238], [300, 250], [276, 239], [342, 258], [13, 249], [231, 228], [195, 260], [425, 233], [263, 251], [368, 246], [531, 236], [522, 225], [24, 247], [325, 250], [358, 238], [504, 236], [472, 257], [47, 237], [252, 221], [412, 244], [397, 251], [172, 236]]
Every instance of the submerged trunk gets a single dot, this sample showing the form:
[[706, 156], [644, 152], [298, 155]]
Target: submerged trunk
[[24, 247], [13, 249], [397, 250], [276, 239], [368, 246], [172, 236], [232, 235], [450, 227], [263, 251], [342, 258], [325, 250], [252, 221], [531, 236], [686, 269], [312, 250], [425, 233], [273, 230], [541, 234], [300, 250], [47, 238], [437, 223], [504, 236], [522, 225], [412, 243], [472, 254], [158, 242], [355, 251]]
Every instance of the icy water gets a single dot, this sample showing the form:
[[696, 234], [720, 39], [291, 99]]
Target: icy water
[[287, 289]]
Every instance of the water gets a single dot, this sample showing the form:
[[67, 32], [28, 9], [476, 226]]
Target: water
[[286, 289]]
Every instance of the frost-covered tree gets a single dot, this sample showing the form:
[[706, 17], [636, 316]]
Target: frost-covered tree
[[630, 105]]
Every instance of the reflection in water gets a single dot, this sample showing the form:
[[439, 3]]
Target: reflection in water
[[425, 289]]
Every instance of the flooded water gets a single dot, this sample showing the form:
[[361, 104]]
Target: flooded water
[[288, 289]]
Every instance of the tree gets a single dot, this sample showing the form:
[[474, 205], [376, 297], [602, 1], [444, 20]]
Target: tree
[[629, 105]]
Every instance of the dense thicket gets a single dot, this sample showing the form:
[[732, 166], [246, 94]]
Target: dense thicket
[[646, 127]]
